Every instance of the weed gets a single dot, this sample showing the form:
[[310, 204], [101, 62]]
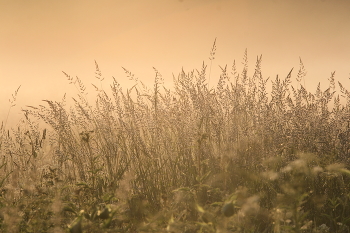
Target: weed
[[234, 158]]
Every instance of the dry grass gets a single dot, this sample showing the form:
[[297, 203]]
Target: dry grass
[[233, 158]]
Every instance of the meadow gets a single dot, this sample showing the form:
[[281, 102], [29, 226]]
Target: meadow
[[231, 158]]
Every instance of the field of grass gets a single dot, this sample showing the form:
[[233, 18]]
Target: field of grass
[[232, 158]]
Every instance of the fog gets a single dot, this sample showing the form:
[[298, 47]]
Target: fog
[[40, 39]]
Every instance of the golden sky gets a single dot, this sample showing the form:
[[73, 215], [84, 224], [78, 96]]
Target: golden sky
[[41, 38]]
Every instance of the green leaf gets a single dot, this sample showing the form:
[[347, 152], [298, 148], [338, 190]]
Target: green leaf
[[345, 171], [69, 209], [82, 184], [76, 226], [215, 204], [200, 209]]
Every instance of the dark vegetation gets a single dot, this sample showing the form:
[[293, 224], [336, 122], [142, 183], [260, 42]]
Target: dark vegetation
[[234, 158]]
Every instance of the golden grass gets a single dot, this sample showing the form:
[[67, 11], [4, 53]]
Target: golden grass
[[233, 158]]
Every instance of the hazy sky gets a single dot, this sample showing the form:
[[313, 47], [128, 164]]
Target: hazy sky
[[41, 38]]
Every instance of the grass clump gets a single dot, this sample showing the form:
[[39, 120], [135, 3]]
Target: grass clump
[[232, 158]]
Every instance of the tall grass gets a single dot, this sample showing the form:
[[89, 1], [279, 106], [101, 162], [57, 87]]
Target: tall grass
[[232, 158]]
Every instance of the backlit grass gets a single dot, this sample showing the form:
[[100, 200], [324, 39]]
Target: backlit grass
[[232, 158]]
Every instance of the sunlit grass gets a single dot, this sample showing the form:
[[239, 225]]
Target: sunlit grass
[[233, 158]]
